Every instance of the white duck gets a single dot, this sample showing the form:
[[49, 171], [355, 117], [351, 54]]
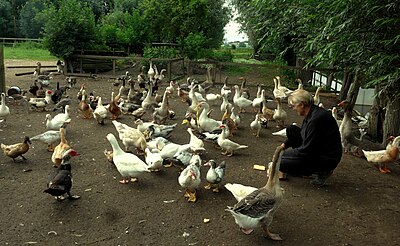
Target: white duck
[[240, 101], [282, 132], [382, 157], [50, 137], [153, 159], [189, 179], [130, 136], [255, 126], [215, 174], [280, 114], [258, 208], [228, 146], [54, 123], [169, 149], [171, 89], [225, 103], [4, 109], [196, 144], [151, 72], [41, 102], [212, 98], [128, 165], [101, 112], [204, 122], [239, 191]]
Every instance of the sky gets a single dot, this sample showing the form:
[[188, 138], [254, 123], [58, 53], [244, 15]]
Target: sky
[[232, 32]]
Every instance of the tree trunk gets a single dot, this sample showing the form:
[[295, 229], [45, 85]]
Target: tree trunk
[[354, 88], [304, 75], [330, 79], [392, 118], [345, 86], [375, 121]]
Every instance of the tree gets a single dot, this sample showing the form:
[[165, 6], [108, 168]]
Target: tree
[[69, 28], [31, 21], [6, 29]]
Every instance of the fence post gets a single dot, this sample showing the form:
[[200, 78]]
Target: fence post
[[169, 70], [2, 71]]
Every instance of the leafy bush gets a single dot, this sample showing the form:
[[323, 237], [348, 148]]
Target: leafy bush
[[222, 55], [30, 45]]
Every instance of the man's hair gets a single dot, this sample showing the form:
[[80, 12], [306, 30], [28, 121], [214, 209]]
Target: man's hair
[[301, 96]]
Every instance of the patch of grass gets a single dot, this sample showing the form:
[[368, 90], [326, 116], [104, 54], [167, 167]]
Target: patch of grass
[[28, 51]]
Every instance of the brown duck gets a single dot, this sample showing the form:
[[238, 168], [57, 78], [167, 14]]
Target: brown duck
[[15, 150]]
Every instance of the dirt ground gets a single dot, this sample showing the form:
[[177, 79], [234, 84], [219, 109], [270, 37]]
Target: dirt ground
[[358, 206]]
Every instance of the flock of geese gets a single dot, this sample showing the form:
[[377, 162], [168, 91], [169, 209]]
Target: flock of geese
[[255, 207]]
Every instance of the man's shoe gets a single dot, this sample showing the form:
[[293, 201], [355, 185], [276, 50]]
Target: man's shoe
[[321, 179]]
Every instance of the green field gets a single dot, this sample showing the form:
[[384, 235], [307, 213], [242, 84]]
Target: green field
[[28, 51]]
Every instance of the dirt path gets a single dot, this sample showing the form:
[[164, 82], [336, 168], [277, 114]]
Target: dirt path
[[359, 205]]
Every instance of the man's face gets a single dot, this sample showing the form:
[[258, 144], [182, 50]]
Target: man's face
[[298, 107]]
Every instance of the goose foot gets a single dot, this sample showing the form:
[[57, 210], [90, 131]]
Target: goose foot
[[124, 181], [50, 148], [134, 180], [229, 154], [272, 236], [207, 187], [384, 169], [168, 165], [246, 231], [216, 190], [192, 196], [74, 197]]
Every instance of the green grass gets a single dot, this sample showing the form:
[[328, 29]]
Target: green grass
[[28, 51]]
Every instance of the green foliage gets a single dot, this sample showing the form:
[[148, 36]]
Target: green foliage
[[195, 46], [160, 52], [31, 19], [221, 55], [6, 28], [122, 30], [69, 28]]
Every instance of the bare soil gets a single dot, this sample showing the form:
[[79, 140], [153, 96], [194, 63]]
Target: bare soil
[[358, 206]]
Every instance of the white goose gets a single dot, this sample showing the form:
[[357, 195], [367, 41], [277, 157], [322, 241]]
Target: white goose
[[205, 123], [101, 112], [4, 109], [128, 165], [239, 191], [286, 90], [153, 159], [280, 114], [151, 72], [258, 100], [196, 144], [240, 101], [255, 126], [316, 96], [54, 123], [277, 92]]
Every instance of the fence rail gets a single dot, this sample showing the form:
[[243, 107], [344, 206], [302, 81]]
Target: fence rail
[[12, 41]]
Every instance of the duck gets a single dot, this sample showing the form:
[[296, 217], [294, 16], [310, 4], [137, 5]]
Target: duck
[[239, 191], [255, 126], [149, 103], [212, 98], [60, 181], [204, 122], [196, 144], [155, 130], [80, 92], [101, 112], [335, 116], [280, 114], [278, 93], [15, 150], [381, 157], [153, 159], [84, 107], [282, 132], [60, 149], [54, 123], [50, 137], [258, 208], [171, 89], [316, 97], [113, 108], [128, 165], [228, 146], [228, 121], [300, 85], [138, 113], [4, 109], [189, 179], [215, 174], [160, 114], [130, 137], [169, 149], [41, 102], [240, 102]]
